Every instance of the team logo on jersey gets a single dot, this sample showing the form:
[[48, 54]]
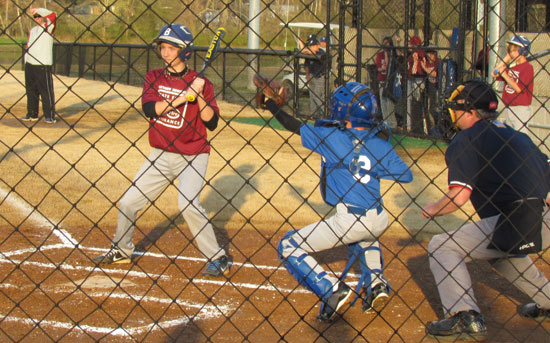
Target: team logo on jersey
[[173, 119]]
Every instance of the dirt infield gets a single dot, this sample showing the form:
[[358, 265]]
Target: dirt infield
[[59, 189]]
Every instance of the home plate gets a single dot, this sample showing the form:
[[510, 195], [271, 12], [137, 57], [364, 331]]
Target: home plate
[[101, 282]]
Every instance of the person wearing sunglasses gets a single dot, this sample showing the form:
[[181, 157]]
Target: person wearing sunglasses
[[507, 179]]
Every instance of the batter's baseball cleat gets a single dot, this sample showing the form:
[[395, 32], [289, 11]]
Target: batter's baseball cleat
[[114, 256], [464, 326], [218, 267], [377, 299], [333, 302], [533, 311], [29, 118], [50, 121]]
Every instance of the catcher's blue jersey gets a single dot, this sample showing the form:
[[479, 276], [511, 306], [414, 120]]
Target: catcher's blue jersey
[[353, 177]]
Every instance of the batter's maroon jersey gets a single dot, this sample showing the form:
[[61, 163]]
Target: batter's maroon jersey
[[182, 130], [523, 75]]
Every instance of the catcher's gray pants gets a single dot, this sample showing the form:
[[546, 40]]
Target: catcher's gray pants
[[316, 95], [517, 117], [158, 171], [342, 228], [449, 252]]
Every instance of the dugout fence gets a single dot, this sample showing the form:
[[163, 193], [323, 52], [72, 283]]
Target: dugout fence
[[61, 184]]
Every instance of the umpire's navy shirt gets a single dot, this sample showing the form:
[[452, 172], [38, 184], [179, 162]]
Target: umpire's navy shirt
[[317, 67], [498, 164]]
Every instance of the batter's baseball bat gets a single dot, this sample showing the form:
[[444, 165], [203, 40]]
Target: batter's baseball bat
[[539, 54], [530, 58], [210, 55]]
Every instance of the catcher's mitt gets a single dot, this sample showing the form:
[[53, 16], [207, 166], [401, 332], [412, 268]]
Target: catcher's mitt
[[269, 89]]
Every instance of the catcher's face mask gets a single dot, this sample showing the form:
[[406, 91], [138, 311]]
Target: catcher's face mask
[[454, 104]]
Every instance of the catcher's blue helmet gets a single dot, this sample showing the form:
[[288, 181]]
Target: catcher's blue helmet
[[355, 102], [522, 42], [179, 36]]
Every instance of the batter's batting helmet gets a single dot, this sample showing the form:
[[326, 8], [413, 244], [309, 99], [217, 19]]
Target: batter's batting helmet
[[179, 36], [522, 42], [355, 102], [472, 95]]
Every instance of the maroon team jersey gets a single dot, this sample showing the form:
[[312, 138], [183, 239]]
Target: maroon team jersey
[[381, 61], [182, 130], [523, 75]]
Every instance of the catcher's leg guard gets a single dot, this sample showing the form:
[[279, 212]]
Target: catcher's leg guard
[[304, 267], [371, 275]]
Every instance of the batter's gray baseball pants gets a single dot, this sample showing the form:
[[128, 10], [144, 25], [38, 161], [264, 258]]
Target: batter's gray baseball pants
[[158, 171]]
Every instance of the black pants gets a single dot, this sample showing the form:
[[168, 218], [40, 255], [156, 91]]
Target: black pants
[[39, 83]]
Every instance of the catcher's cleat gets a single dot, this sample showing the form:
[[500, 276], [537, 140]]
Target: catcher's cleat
[[333, 302], [533, 311], [464, 326], [218, 267], [29, 118], [50, 121], [377, 299], [114, 256]]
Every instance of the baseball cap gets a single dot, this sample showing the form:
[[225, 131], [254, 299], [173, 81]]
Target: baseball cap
[[415, 41], [323, 39], [312, 40], [474, 94]]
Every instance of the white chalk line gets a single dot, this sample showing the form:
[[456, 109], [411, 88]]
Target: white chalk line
[[68, 241], [32, 214], [204, 313]]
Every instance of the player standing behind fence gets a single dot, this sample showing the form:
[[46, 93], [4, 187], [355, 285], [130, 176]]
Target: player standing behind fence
[[38, 66], [315, 73], [177, 134], [507, 179], [518, 75], [354, 161], [383, 59]]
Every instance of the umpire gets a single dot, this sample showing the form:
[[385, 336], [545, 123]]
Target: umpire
[[506, 177]]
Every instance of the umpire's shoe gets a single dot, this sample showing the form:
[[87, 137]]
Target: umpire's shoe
[[533, 311], [114, 256], [464, 326], [218, 267], [332, 304], [377, 299]]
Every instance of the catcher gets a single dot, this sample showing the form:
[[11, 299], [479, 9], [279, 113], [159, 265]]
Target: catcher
[[356, 155]]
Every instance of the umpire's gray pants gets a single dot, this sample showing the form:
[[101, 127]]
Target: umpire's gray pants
[[449, 252], [159, 170]]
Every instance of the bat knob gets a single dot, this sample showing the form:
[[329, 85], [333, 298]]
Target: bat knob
[[190, 97]]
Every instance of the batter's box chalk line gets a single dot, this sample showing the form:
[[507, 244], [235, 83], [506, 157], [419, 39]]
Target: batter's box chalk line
[[36, 217]]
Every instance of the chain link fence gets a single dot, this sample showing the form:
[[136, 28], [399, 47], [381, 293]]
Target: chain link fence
[[63, 184]]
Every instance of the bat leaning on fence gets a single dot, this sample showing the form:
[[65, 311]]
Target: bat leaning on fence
[[210, 55]]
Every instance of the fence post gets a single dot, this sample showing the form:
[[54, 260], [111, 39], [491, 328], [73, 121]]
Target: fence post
[[224, 56], [94, 62], [110, 61], [23, 56], [129, 64], [81, 60], [68, 60]]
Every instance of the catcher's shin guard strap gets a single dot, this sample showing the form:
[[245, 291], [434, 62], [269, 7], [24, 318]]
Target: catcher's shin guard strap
[[299, 264], [366, 279]]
